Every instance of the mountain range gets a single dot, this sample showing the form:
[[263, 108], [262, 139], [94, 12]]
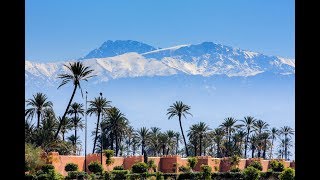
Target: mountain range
[[127, 58]]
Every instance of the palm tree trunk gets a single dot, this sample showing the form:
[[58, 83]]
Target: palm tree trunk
[[167, 151], [218, 150], [142, 147], [75, 131], [264, 149], [177, 146], [246, 144], [252, 153], [117, 146], [271, 155], [62, 136], [65, 113], [200, 145], [111, 135], [95, 139], [285, 147], [163, 149], [184, 139], [38, 124], [195, 149]]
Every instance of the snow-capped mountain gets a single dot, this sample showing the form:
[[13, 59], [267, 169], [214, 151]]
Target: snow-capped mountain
[[118, 47], [122, 59]]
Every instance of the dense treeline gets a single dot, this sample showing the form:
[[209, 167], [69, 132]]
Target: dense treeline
[[245, 137]]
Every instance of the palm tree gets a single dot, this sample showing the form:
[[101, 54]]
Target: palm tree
[[260, 126], [154, 140], [228, 125], [78, 72], [97, 106], [238, 140], [118, 123], [38, 104], [66, 125], [218, 134], [75, 109], [286, 131], [274, 133], [143, 136], [170, 134], [177, 138], [264, 137], [74, 140], [249, 124], [76, 123], [179, 109], [253, 141]]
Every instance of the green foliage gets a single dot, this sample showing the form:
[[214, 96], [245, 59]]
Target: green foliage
[[206, 171], [30, 177], [109, 154], [227, 175], [152, 165], [287, 174], [71, 167], [276, 166], [235, 169], [170, 176], [77, 175], [33, 160], [234, 161], [190, 175], [256, 164], [192, 161], [159, 175], [120, 174], [140, 167], [107, 175], [184, 169], [251, 173], [95, 167], [118, 168], [50, 175], [45, 168]]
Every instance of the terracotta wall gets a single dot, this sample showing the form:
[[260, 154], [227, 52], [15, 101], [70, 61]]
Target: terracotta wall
[[164, 164]]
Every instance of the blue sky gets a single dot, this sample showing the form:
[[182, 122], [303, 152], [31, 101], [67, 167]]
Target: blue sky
[[61, 30]]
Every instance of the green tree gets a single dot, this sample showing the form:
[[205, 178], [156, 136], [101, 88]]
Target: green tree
[[274, 133], [76, 123], [287, 132], [39, 104], [249, 124], [143, 136], [179, 109], [97, 106], [76, 109], [260, 127], [77, 72]]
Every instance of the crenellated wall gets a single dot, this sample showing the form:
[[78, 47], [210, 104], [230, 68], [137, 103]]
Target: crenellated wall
[[165, 164]]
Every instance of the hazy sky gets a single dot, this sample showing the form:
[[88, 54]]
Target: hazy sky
[[61, 30]]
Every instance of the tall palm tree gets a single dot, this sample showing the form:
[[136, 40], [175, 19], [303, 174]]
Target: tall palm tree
[[76, 109], [264, 137], [228, 125], [177, 138], [249, 124], [118, 123], [170, 134], [179, 109], [218, 134], [97, 106], [287, 132], [202, 129], [77, 72], [143, 136], [76, 123], [155, 140], [274, 133], [66, 125], [39, 103], [74, 140], [260, 127], [253, 141]]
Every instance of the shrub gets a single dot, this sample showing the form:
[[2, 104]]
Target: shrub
[[192, 161], [256, 164], [216, 168], [152, 165], [107, 175], [287, 174], [276, 166], [82, 175], [190, 175], [227, 175], [77, 175], [118, 168], [140, 167], [33, 158], [95, 167], [45, 168], [134, 176], [234, 161], [236, 169], [206, 171], [109, 154], [251, 173], [170, 175], [120, 174], [159, 176], [30, 177], [184, 169], [71, 167]]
